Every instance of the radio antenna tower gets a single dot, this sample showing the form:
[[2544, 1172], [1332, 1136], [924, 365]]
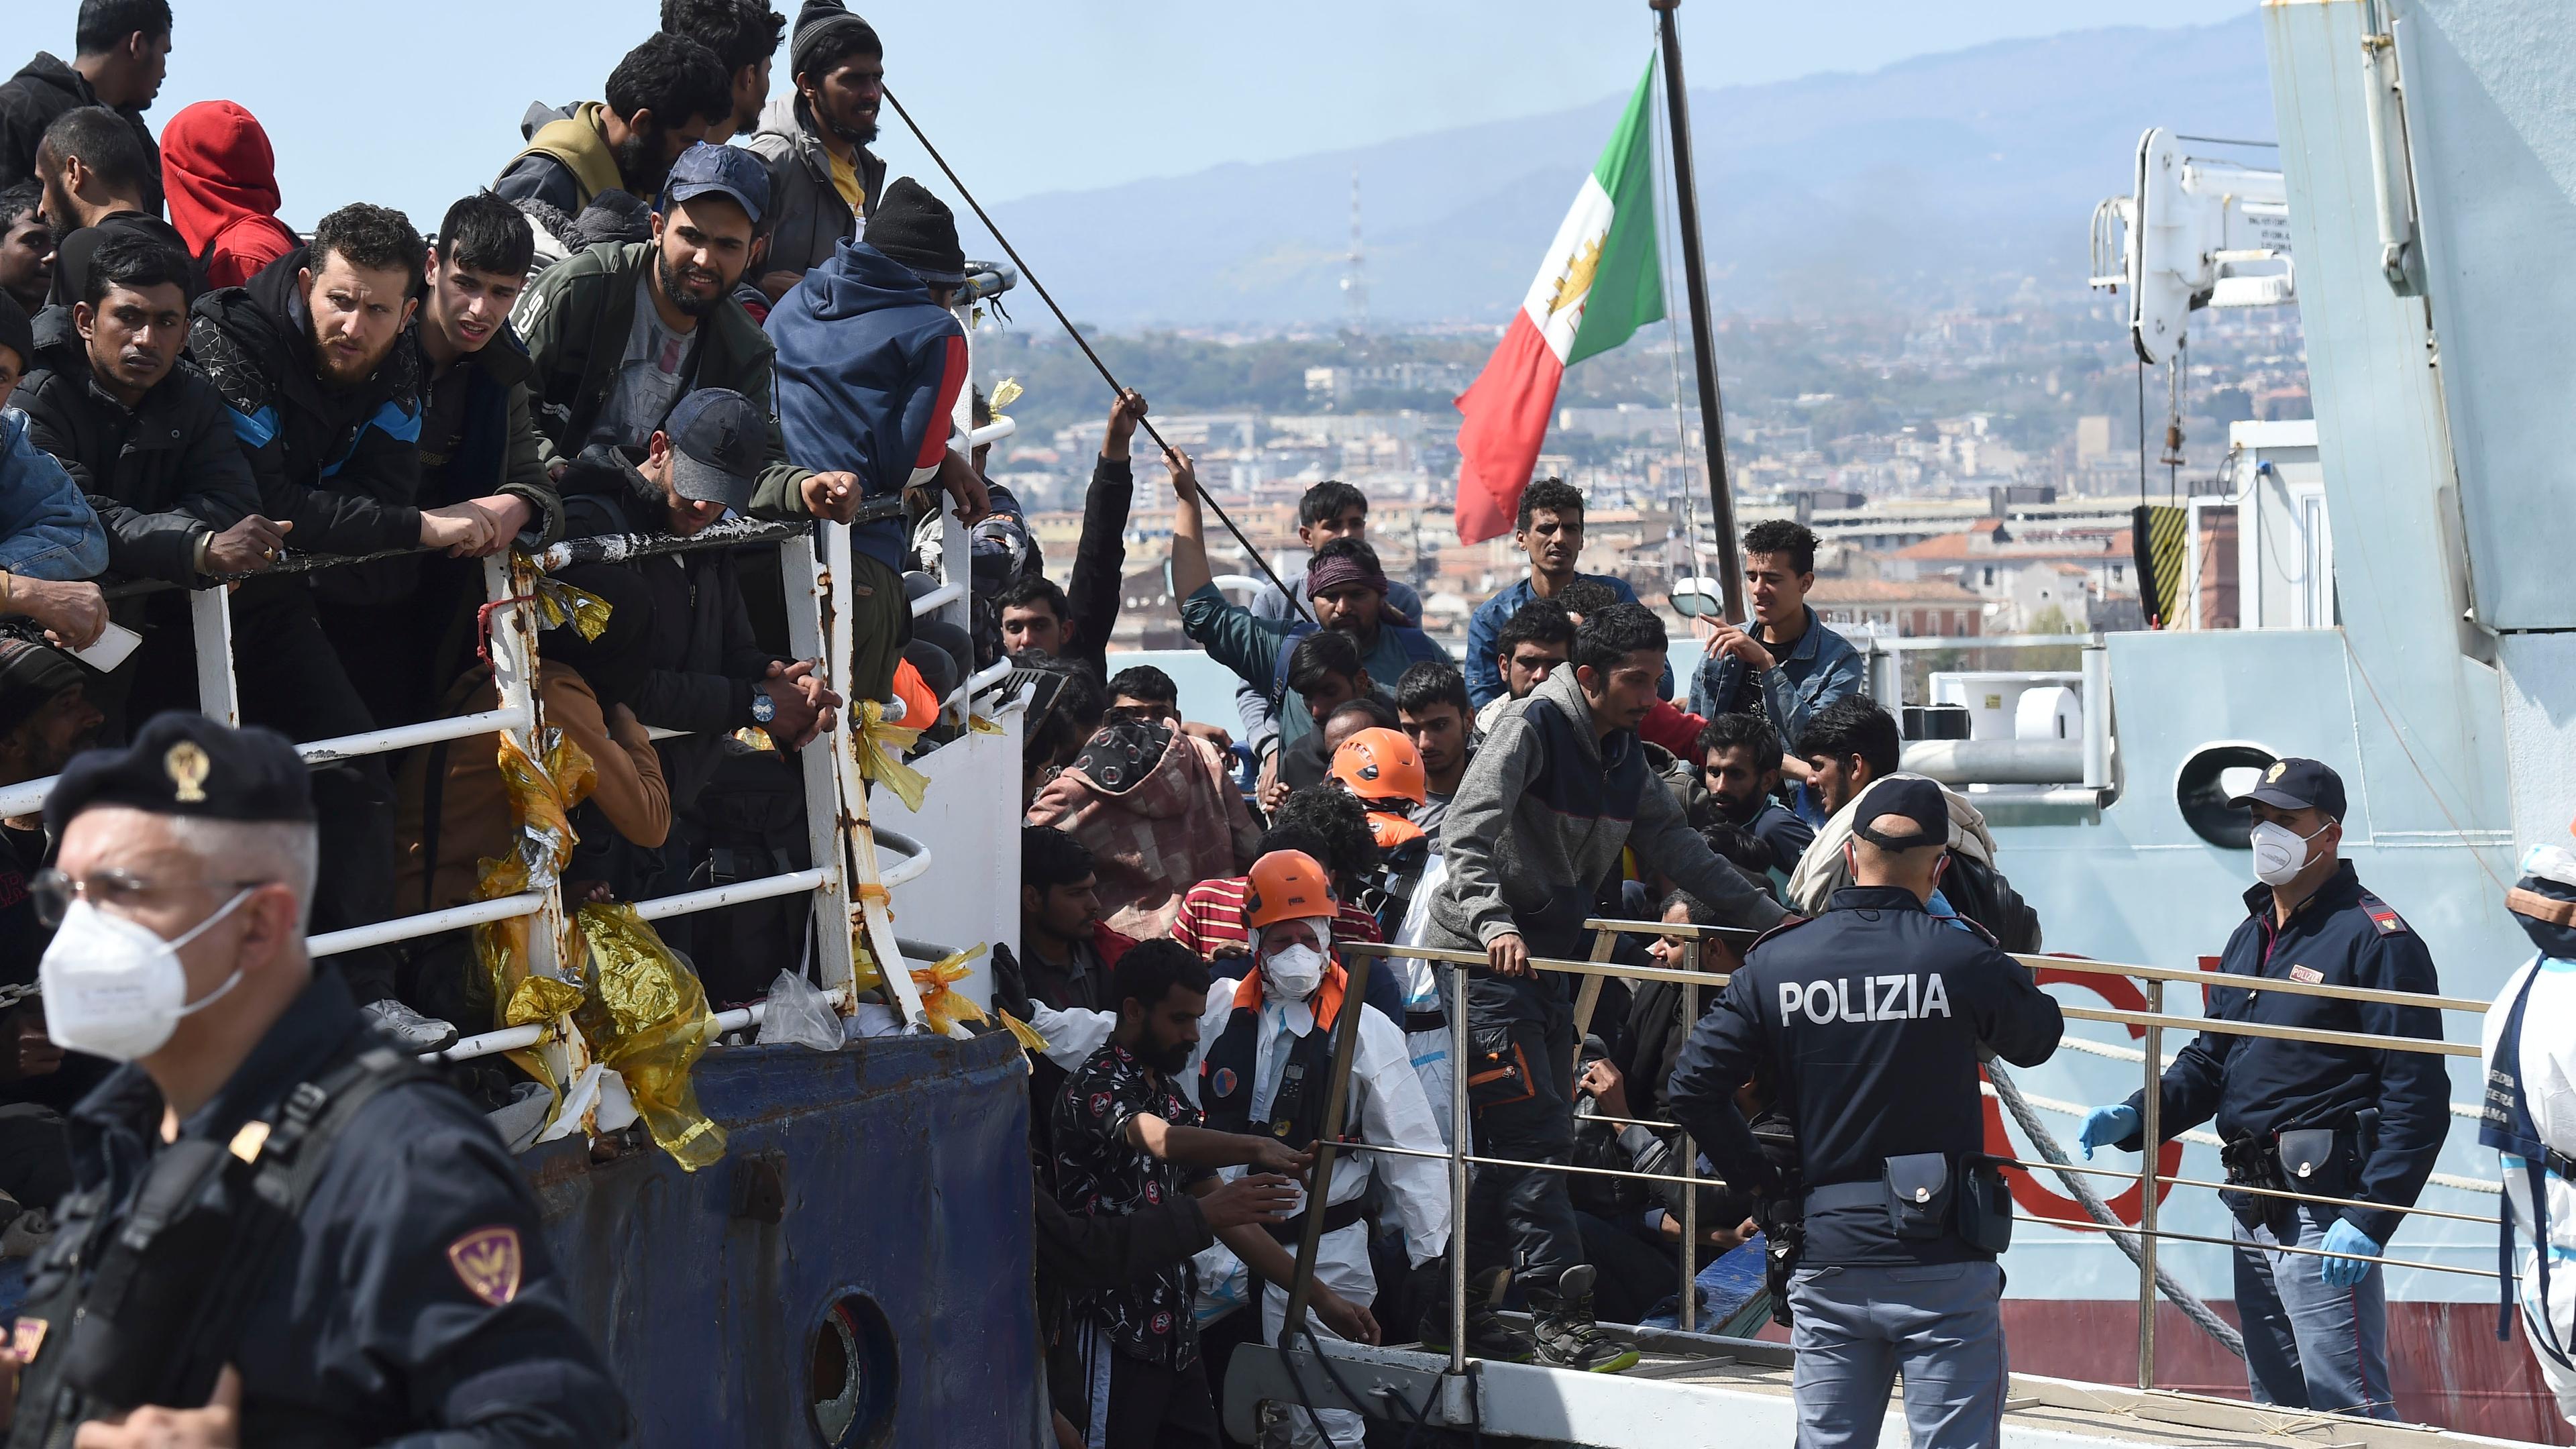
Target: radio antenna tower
[[1354, 279]]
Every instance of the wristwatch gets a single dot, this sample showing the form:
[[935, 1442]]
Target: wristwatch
[[763, 708]]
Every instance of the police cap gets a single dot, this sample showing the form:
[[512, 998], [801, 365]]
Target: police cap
[[2296, 784], [1917, 800], [187, 764]]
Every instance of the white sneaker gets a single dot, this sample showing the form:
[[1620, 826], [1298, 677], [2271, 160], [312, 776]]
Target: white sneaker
[[408, 1028]]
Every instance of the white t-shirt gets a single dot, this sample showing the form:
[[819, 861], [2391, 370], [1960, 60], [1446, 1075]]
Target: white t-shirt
[[648, 376]]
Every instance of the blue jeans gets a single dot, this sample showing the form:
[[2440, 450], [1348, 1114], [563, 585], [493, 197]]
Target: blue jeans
[[2308, 1346], [1854, 1327]]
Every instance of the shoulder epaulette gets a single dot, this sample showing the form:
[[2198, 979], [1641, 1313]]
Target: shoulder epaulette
[[1789, 922], [2384, 916]]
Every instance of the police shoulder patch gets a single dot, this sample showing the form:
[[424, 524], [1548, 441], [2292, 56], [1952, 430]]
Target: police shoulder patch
[[2383, 916], [488, 1262]]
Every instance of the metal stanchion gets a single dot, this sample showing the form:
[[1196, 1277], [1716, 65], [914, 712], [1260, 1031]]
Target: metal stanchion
[[2150, 1114], [1689, 1319], [1458, 1069]]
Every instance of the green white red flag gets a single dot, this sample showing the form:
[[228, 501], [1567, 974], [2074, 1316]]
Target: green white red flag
[[1599, 282]]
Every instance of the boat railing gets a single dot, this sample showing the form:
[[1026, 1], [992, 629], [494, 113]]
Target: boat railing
[[853, 864], [1697, 943]]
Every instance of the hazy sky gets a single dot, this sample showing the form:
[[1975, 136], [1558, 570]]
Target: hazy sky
[[412, 104]]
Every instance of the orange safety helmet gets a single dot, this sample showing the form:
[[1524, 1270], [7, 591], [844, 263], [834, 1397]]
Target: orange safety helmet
[[1287, 885], [1381, 764]]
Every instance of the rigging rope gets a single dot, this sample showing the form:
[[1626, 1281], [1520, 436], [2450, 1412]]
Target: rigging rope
[[2099, 1211], [1085, 344]]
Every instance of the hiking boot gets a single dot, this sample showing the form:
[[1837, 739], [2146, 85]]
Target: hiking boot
[[408, 1029], [1488, 1336], [1563, 1331]]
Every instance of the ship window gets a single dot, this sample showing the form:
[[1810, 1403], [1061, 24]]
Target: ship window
[[2209, 779], [852, 1378]]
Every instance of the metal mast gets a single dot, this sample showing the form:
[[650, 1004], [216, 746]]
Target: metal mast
[[1721, 495], [1354, 278]]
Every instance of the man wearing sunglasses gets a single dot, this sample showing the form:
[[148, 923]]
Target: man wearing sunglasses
[[337, 1246]]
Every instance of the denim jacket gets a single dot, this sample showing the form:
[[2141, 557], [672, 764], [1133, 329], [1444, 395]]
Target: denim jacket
[[47, 529], [1821, 667]]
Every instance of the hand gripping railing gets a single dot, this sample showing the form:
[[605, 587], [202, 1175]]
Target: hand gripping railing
[[2153, 1022]]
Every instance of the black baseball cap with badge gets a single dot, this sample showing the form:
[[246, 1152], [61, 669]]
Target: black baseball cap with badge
[[719, 440], [187, 764], [2293, 783], [1914, 799]]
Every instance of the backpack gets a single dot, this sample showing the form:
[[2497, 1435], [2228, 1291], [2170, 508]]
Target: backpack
[[1982, 894]]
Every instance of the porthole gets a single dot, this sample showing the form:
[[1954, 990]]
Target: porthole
[[852, 1375], [2212, 776]]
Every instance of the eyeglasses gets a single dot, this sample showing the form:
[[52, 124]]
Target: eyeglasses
[[113, 891]]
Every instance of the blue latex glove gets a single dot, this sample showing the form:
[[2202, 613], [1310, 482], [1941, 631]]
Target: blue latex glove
[[2106, 1125], [2343, 1237]]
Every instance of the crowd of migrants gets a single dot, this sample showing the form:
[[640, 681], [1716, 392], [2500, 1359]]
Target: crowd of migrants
[[688, 301]]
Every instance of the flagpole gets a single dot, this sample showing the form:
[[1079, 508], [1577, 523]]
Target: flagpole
[[1721, 496]]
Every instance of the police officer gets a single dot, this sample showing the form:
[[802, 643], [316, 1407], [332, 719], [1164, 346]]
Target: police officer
[[2348, 1122], [1866, 1023], [282, 1229]]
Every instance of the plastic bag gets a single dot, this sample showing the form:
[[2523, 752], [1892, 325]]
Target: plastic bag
[[799, 1013], [647, 1020]]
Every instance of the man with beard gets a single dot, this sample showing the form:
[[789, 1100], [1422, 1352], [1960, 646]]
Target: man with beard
[[326, 406], [123, 52], [26, 246], [617, 334], [744, 35], [815, 141], [661, 99], [99, 180], [150, 442], [1739, 762]]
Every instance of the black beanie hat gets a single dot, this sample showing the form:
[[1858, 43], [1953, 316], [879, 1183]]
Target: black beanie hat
[[19, 335], [818, 21], [917, 229]]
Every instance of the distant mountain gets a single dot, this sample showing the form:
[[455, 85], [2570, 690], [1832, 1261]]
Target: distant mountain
[[1939, 180]]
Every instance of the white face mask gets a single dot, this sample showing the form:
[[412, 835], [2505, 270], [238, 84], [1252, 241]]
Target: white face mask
[[1293, 972], [114, 988], [2280, 853]]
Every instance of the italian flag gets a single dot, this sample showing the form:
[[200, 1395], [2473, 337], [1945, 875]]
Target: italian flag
[[1598, 283]]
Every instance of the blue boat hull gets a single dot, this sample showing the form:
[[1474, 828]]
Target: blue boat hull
[[893, 1174]]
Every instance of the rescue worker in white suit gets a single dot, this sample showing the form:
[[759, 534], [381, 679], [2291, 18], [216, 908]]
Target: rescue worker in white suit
[[1264, 1066], [2530, 1117]]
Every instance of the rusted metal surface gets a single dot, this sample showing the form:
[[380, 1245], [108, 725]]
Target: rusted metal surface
[[901, 1170]]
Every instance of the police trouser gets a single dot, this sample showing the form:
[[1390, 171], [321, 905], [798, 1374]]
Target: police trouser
[[2308, 1344], [1520, 1083], [291, 680], [1853, 1328]]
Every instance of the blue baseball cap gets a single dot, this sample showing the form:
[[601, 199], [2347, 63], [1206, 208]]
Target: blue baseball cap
[[718, 442], [730, 170]]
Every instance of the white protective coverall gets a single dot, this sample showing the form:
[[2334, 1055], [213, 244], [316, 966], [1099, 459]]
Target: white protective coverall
[[2548, 1060], [1391, 1110]]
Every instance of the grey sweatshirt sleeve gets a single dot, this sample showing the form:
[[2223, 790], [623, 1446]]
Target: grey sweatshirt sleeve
[[1663, 838], [1471, 838]]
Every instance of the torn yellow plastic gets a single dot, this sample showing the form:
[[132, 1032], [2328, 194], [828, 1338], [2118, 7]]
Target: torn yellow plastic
[[983, 726], [880, 749], [558, 602], [941, 1003], [1005, 393], [646, 1017], [1021, 1032], [541, 794]]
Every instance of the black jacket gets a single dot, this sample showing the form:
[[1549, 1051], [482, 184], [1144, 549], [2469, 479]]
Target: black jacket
[[1866, 1022], [42, 89], [344, 467], [2259, 1086], [162, 477], [702, 657], [496, 442], [1099, 562]]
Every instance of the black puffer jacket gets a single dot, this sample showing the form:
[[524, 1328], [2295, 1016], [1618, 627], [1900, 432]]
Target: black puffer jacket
[[42, 89], [162, 477], [344, 467]]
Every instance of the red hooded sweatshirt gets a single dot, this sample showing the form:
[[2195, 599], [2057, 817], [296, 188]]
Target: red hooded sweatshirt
[[221, 178]]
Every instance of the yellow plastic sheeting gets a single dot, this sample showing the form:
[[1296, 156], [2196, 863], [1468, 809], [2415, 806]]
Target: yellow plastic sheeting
[[1021, 1032], [880, 749], [940, 1001], [982, 726], [559, 602], [542, 794], [646, 1018]]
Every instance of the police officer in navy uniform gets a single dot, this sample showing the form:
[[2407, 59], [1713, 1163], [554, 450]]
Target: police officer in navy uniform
[[2334, 1121], [283, 1231], [1867, 1023]]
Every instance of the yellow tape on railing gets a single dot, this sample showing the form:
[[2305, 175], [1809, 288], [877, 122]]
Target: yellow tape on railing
[[880, 749], [940, 1001]]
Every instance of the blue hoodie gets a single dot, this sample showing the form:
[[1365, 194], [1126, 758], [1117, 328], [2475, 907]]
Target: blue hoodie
[[869, 370]]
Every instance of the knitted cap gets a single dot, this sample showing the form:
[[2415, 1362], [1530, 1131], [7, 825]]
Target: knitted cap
[[916, 228]]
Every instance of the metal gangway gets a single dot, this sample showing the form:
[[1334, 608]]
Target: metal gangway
[[1690, 1379]]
